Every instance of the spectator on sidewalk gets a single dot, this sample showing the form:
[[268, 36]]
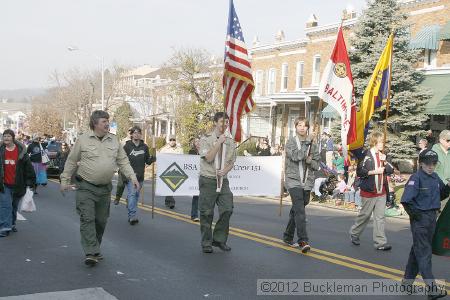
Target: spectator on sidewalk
[[172, 148], [16, 173], [276, 150], [340, 188], [443, 165], [329, 146], [338, 162], [423, 144], [349, 194], [373, 172], [35, 150], [263, 149]]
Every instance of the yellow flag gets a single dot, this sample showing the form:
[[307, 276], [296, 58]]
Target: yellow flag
[[377, 92]]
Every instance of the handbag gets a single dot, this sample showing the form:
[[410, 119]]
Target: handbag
[[41, 177], [27, 202], [45, 159]]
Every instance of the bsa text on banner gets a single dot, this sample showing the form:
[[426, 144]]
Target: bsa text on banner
[[177, 175]]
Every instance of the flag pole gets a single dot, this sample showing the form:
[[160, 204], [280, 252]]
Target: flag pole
[[283, 157], [388, 100], [153, 168]]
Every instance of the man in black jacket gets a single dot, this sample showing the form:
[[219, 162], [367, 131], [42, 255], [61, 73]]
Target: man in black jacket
[[139, 156], [16, 173]]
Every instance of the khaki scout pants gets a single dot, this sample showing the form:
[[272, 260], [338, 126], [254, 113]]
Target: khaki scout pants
[[92, 204], [377, 205], [207, 200]]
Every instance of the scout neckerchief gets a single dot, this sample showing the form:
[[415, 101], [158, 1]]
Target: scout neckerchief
[[301, 166], [378, 177]]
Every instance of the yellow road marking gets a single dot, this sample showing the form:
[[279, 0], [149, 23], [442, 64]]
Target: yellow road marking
[[323, 255], [274, 242]]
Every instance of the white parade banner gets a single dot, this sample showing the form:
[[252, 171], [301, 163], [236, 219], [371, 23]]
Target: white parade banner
[[177, 175]]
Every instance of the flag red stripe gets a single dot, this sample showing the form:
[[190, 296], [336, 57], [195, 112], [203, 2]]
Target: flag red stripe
[[236, 47], [238, 71], [239, 60]]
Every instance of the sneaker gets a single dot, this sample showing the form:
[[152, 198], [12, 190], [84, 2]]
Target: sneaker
[[116, 201], [407, 285], [195, 219], [14, 228], [90, 260], [172, 206], [305, 247], [207, 249], [99, 256], [291, 243], [438, 294], [222, 246], [385, 247], [133, 221], [4, 234], [355, 240]]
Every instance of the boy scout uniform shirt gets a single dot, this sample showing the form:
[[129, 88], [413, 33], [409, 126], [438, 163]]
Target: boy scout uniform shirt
[[98, 160], [424, 191], [208, 169]]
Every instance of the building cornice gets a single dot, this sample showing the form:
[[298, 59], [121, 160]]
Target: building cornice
[[435, 71], [409, 3], [287, 45], [333, 27]]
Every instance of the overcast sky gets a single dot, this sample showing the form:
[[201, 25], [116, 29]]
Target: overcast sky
[[35, 34]]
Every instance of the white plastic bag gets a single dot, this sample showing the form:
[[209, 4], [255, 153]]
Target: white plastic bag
[[20, 217], [27, 202]]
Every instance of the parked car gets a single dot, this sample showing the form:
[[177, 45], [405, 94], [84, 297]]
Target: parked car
[[54, 153]]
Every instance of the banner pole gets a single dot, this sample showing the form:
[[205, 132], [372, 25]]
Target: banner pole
[[153, 169], [388, 100], [281, 184]]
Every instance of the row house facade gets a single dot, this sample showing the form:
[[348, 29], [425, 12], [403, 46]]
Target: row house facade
[[154, 96], [146, 90], [287, 73]]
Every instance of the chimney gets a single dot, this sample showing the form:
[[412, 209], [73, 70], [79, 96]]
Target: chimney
[[349, 13], [279, 37], [312, 21], [256, 41]]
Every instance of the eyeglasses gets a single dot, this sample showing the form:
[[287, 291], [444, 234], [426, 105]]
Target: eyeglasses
[[172, 140]]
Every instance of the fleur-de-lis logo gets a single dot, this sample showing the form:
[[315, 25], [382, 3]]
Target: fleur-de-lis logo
[[340, 70]]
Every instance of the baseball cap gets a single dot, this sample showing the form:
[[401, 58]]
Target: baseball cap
[[428, 157]]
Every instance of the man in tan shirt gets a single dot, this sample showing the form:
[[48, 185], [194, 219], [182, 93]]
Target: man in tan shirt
[[210, 146], [95, 157], [171, 148]]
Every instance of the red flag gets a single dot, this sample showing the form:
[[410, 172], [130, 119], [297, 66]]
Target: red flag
[[336, 89]]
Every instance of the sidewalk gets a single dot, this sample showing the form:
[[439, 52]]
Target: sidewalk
[[331, 205]]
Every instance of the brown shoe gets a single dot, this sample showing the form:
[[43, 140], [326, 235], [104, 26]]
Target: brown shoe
[[207, 249], [305, 247], [90, 260]]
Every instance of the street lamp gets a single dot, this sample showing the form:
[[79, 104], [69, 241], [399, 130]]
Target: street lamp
[[101, 59]]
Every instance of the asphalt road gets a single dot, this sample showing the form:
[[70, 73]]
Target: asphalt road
[[161, 258]]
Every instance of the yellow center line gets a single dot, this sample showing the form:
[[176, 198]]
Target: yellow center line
[[274, 242], [323, 255]]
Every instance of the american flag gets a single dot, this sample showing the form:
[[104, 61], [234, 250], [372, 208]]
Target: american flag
[[237, 78]]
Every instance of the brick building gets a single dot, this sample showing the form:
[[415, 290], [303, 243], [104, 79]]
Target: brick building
[[287, 73]]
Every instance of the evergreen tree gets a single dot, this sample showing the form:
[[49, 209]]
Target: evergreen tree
[[406, 114], [122, 117]]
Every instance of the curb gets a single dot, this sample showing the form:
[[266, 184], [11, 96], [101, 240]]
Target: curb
[[325, 205]]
